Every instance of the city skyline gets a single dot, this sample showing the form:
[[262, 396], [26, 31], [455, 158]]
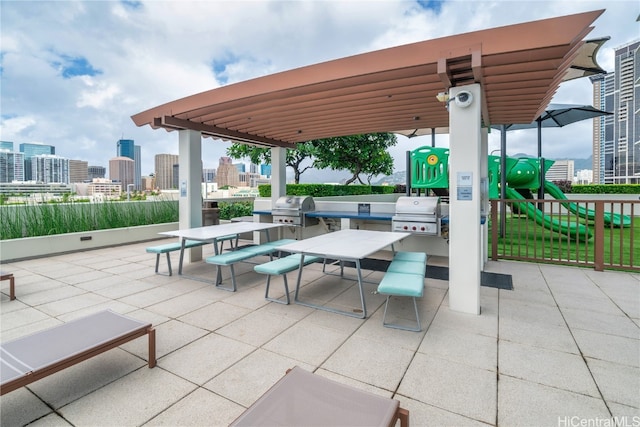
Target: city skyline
[[79, 98]]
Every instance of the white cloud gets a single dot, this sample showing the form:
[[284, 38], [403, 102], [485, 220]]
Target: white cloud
[[164, 50]]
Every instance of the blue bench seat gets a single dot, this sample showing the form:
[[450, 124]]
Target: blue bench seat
[[168, 248], [404, 278], [239, 255], [282, 266]]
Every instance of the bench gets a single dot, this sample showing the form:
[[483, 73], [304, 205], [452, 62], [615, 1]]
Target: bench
[[12, 284], [404, 278], [171, 247], [33, 357], [282, 266], [239, 255]]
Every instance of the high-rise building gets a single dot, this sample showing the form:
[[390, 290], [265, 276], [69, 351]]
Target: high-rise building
[[78, 171], [227, 173], [96, 172], [127, 148], [34, 149], [265, 170], [122, 169], [11, 166], [164, 171], [50, 169], [208, 175], [561, 170], [6, 145], [616, 147], [241, 167]]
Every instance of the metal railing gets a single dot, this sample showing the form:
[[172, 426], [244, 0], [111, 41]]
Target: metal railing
[[603, 234]]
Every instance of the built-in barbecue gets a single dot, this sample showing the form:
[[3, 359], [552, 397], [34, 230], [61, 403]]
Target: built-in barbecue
[[420, 215], [290, 210]]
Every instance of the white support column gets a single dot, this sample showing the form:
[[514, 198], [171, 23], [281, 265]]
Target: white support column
[[484, 193], [465, 234], [278, 173], [190, 186]]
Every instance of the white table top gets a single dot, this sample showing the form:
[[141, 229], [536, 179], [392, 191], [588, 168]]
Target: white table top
[[345, 244], [211, 232]]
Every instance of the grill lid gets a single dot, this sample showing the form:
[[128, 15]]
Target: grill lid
[[418, 206], [294, 204]]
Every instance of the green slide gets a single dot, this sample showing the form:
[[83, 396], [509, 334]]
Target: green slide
[[577, 231], [609, 218]]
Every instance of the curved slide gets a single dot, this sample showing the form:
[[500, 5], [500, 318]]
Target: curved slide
[[574, 230], [609, 218]]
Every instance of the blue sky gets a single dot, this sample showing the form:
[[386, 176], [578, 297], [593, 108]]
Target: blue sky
[[73, 72]]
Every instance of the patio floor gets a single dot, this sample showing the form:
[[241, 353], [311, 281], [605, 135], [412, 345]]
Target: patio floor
[[560, 349]]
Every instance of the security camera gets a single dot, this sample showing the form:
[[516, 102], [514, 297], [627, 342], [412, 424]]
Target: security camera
[[464, 99]]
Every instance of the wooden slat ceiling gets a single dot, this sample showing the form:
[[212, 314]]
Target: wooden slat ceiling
[[519, 68]]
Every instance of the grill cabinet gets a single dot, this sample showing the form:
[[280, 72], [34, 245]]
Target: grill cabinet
[[290, 210], [419, 215]]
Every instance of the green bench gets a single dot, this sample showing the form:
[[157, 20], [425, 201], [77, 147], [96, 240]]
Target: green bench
[[168, 248], [404, 278], [243, 254], [282, 266]]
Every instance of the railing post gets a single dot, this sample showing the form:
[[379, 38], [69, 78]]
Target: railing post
[[494, 229], [598, 237]]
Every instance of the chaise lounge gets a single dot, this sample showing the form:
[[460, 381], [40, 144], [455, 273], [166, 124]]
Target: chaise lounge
[[33, 357]]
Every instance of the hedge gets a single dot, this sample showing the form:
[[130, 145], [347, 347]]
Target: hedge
[[324, 190], [606, 189]]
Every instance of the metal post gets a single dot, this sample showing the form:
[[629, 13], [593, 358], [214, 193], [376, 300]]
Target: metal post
[[503, 180]]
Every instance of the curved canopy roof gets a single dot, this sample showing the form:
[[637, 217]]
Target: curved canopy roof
[[519, 68]]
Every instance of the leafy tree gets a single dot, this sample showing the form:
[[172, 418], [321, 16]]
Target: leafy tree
[[359, 154], [257, 155]]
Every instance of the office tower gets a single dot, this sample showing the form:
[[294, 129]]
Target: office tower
[[561, 170], [34, 149], [241, 167], [50, 169], [122, 169], [164, 171], [227, 174], [6, 145], [11, 166], [78, 171], [616, 144], [265, 170], [127, 148], [96, 172], [208, 175]]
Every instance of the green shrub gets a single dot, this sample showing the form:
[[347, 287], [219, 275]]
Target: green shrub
[[606, 189], [230, 210], [325, 190]]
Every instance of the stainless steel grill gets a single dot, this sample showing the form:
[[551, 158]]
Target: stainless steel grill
[[291, 209], [420, 215]]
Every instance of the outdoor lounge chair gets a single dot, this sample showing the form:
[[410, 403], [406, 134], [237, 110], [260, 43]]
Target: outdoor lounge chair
[[303, 398], [12, 283], [33, 357]]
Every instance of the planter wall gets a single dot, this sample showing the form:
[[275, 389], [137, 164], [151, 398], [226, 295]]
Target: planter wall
[[33, 247]]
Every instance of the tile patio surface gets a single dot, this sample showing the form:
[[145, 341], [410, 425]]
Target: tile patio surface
[[560, 349]]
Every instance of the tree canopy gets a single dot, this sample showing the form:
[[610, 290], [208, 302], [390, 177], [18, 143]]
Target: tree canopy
[[359, 154]]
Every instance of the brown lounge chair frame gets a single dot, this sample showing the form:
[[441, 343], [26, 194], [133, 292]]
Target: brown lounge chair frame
[[33, 357], [12, 284], [303, 398]]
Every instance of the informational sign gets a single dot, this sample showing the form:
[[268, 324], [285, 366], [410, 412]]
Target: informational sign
[[183, 189], [465, 186]]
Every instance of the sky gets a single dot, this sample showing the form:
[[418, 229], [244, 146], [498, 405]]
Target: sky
[[72, 73]]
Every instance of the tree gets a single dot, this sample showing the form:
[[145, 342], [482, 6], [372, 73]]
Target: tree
[[359, 154], [295, 157]]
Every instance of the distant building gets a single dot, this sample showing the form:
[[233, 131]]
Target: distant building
[[96, 172], [175, 175], [583, 177], [105, 187], [122, 169], [227, 173], [148, 183], [616, 146], [127, 148], [164, 170], [265, 170], [11, 166], [6, 145], [78, 171], [34, 149], [561, 170], [208, 175], [241, 167], [49, 169]]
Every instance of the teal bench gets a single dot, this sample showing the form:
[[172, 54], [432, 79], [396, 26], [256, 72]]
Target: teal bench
[[171, 247], [282, 266], [239, 255], [404, 278]]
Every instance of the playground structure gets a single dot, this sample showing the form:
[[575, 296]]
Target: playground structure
[[429, 170]]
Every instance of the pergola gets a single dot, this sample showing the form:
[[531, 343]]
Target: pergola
[[511, 73]]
